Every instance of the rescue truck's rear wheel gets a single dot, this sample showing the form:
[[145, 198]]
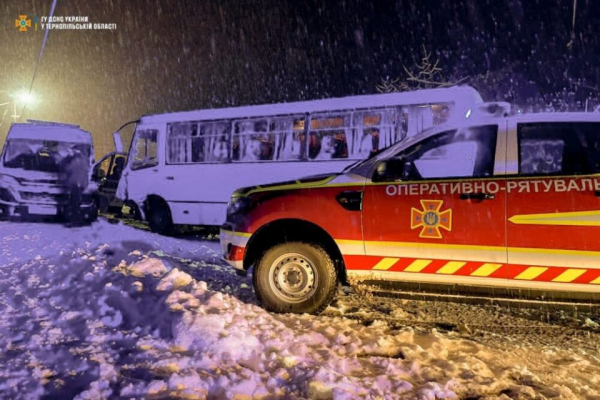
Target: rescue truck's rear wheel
[[295, 277]]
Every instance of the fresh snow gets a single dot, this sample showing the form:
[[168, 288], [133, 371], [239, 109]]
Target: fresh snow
[[111, 311]]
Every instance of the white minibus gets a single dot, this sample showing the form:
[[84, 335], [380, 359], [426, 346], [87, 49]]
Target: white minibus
[[182, 167]]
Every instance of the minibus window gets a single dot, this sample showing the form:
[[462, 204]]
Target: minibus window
[[252, 141], [329, 136], [145, 153]]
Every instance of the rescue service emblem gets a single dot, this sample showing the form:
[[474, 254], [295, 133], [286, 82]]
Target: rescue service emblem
[[431, 219]]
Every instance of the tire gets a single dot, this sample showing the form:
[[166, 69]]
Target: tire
[[103, 205], [159, 218], [296, 278], [91, 214]]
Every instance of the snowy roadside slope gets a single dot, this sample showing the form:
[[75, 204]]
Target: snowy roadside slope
[[92, 313]]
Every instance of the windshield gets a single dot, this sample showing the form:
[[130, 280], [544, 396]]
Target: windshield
[[40, 155]]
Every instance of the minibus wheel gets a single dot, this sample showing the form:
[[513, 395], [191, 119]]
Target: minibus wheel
[[295, 277], [159, 218]]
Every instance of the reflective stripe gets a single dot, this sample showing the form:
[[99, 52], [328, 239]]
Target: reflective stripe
[[417, 265], [386, 264], [531, 273], [569, 275], [486, 269], [451, 267]]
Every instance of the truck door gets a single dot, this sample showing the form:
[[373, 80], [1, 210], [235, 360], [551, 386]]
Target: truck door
[[435, 211], [554, 205]]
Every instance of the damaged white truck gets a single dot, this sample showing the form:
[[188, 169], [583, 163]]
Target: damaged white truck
[[45, 171]]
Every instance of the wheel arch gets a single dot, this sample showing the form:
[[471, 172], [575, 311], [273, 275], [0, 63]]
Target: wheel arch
[[290, 230], [154, 199]]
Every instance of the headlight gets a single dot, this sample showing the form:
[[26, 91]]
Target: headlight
[[8, 186], [238, 205], [6, 195]]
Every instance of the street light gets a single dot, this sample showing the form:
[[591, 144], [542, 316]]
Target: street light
[[25, 97]]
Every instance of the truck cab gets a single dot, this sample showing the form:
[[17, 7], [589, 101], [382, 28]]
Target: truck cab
[[45, 171]]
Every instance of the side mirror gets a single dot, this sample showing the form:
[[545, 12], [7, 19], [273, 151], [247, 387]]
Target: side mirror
[[118, 142], [390, 170]]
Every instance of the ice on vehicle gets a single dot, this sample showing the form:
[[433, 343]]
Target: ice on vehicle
[[45, 170]]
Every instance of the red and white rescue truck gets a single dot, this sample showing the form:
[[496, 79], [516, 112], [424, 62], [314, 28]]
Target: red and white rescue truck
[[494, 204]]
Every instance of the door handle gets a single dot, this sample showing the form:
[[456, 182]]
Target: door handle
[[477, 196], [171, 178], [351, 200]]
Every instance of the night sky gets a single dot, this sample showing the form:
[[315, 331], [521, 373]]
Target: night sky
[[184, 54]]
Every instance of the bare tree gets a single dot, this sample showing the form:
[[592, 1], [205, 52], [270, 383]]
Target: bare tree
[[424, 75]]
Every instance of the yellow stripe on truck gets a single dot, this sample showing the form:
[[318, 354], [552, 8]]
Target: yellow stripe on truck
[[531, 273], [451, 267], [385, 264], [417, 265], [486, 269], [569, 275]]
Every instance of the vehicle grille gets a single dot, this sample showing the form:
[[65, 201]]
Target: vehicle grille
[[44, 197]]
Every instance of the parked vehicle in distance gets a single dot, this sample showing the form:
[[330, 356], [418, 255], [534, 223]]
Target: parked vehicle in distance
[[493, 205], [106, 173], [45, 171], [182, 167]]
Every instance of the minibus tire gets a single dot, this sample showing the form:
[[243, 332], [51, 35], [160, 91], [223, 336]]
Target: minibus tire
[[299, 259], [103, 204], [159, 218], [91, 214]]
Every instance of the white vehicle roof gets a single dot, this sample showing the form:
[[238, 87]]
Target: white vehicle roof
[[49, 131], [483, 119], [461, 94]]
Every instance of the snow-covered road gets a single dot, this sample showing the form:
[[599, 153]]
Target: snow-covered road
[[112, 311]]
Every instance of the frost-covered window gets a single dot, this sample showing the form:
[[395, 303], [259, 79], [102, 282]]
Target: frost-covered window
[[145, 153], [179, 142], [290, 139], [374, 130], [211, 143], [424, 116], [554, 148], [198, 142], [252, 141], [329, 136], [459, 153]]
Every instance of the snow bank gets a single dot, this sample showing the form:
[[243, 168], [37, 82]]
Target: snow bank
[[224, 348], [106, 318]]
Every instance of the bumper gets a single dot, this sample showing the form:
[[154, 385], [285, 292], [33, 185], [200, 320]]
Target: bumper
[[18, 209], [233, 246]]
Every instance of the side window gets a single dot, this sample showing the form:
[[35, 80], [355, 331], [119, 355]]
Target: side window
[[375, 130], [117, 167], [290, 139], [211, 143], [423, 116], [179, 142], [329, 135], [146, 149], [461, 153], [559, 148], [102, 169], [252, 141], [198, 142]]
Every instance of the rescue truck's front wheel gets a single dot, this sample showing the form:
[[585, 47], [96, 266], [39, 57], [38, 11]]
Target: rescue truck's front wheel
[[295, 277]]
